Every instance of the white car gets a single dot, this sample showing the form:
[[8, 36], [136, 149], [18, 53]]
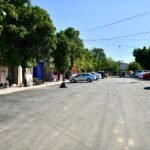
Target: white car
[[98, 76], [94, 76]]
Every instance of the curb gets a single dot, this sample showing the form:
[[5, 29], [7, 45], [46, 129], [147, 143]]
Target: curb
[[10, 90]]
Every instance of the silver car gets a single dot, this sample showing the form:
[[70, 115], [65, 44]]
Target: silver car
[[82, 77]]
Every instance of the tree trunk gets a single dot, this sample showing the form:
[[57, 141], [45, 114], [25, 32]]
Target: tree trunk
[[63, 85], [10, 77], [64, 76], [24, 76], [58, 75]]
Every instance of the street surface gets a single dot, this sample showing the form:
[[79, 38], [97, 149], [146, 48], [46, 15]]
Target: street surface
[[109, 114]]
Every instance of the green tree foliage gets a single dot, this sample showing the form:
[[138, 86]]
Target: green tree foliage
[[76, 44], [133, 66], [38, 35], [69, 51], [85, 62], [2, 16], [99, 59], [142, 56], [28, 34], [16, 3], [61, 54], [8, 51], [111, 65]]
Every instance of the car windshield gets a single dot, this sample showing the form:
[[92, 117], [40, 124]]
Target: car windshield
[[77, 75]]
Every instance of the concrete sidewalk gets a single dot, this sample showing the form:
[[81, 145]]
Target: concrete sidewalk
[[9, 90]]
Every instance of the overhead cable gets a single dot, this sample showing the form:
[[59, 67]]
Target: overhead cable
[[118, 37], [119, 21]]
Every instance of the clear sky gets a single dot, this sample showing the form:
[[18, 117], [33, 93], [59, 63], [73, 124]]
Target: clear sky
[[84, 15]]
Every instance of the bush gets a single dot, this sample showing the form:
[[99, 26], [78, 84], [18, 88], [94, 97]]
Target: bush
[[36, 81], [6, 85]]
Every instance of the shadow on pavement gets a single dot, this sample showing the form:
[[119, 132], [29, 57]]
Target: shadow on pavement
[[147, 88]]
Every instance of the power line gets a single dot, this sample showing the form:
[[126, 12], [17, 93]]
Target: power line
[[118, 41], [118, 37], [119, 21], [113, 45], [128, 40]]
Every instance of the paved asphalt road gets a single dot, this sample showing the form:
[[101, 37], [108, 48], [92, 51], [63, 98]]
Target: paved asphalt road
[[109, 114]]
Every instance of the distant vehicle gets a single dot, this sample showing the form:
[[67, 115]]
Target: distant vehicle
[[146, 76], [103, 74], [82, 77], [98, 76], [140, 75], [122, 74], [94, 75], [115, 73], [138, 72]]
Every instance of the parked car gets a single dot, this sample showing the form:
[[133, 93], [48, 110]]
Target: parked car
[[103, 74], [146, 76], [140, 75], [136, 74], [114, 73], [97, 75], [122, 74], [82, 77]]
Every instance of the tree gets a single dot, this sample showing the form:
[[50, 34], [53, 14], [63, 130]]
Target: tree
[[28, 35], [142, 56], [61, 54], [133, 66], [85, 62], [76, 45], [99, 59], [111, 65], [39, 41], [8, 52]]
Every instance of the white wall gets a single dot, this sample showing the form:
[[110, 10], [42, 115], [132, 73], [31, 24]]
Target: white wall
[[19, 75], [123, 66], [29, 76], [3, 74]]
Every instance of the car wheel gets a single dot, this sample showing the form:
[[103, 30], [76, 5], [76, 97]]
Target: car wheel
[[73, 81], [89, 80]]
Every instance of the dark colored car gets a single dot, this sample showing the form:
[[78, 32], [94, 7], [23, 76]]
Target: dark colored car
[[122, 74], [103, 74]]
